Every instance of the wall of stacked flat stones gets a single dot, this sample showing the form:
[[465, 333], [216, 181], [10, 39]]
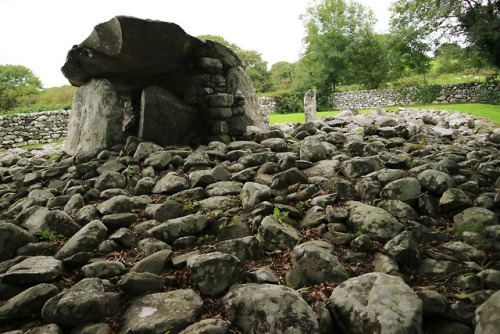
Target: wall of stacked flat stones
[[30, 129], [268, 104], [362, 99], [458, 93]]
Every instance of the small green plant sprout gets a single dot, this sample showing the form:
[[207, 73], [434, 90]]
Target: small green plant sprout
[[361, 232], [302, 206], [130, 172], [204, 239], [50, 235], [282, 217]]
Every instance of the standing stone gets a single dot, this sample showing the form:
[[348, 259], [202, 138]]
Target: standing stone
[[96, 118], [238, 83], [167, 120], [310, 106]]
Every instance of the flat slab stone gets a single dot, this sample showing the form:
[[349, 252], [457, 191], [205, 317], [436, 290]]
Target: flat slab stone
[[36, 269], [162, 312]]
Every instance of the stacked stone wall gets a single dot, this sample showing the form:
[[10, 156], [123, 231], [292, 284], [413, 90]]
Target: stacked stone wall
[[363, 99], [30, 129], [268, 104]]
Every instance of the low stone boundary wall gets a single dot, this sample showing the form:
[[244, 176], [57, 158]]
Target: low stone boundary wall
[[458, 93], [30, 129], [268, 104], [363, 99]]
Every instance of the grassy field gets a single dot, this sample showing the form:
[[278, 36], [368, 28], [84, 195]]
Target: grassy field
[[477, 109]]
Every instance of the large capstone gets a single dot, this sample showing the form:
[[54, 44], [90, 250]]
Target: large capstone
[[162, 85]]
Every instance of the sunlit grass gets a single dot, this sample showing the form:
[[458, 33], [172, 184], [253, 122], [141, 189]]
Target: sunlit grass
[[477, 109]]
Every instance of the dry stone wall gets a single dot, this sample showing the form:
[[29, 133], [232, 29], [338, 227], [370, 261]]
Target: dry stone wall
[[30, 129], [362, 99]]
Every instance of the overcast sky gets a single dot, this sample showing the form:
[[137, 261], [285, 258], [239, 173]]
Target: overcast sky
[[38, 33]]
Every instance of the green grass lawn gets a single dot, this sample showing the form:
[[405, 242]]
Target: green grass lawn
[[477, 109]]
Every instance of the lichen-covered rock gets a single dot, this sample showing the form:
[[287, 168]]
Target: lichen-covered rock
[[84, 302], [162, 312], [267, 308], [245, 248], [85, 240], [215, 272], [28, 302], [360, 166], [435, 268], [116, 204], [110, 180], [135, 283], [312, 150], [404, 249], [454, 200], [207, 326], [475, 218], [170, 184], [96, 119], [487, 316], [435, 181], [253, 193], [314, 262], [378, 303], [104, 269], [154, 263], [402, 189], [35, 269], [179, 227], [377, 223], [11, 238], [274, 234]]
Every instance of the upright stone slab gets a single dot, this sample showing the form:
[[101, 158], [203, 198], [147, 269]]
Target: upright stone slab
[[96, 118], [167, 120], [310, 106], [238, 83]]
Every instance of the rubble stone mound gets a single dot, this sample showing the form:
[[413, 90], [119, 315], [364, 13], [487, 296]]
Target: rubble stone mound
[[152, 80]]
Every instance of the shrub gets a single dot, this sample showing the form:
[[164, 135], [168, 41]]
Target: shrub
[[428, 94], [488, 95], [38, 108], [287, 102]]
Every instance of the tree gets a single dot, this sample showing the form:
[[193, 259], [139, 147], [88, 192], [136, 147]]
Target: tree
[[254, 65], [408, 52], [17, 83], [368, 61], [331, 27], [477, 22], [283, 75]]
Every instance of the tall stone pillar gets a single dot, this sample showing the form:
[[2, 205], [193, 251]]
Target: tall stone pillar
[[310, 106]]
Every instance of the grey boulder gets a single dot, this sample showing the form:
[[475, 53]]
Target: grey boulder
[[267, 308], [378, 303]]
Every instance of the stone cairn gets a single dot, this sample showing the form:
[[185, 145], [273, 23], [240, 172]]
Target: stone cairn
[[377, 223], [151, 80]]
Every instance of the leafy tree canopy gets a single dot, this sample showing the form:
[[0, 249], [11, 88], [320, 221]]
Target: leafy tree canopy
[[16, 84], [338, 44], [476, 22]]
